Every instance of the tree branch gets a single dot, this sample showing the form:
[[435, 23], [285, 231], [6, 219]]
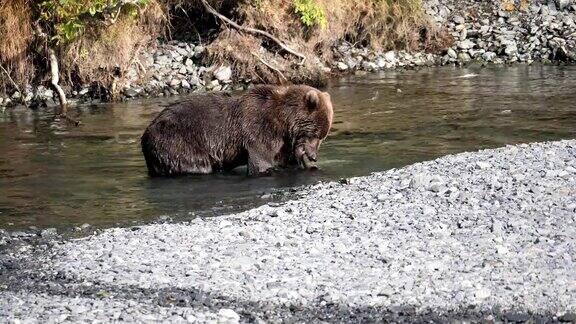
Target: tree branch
[[270, 67], [253, 31], [10, 79]]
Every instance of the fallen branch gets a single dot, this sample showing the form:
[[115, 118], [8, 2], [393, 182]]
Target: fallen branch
[[10, 79], [141, 66], [136, 60], [270, 66], [253, 31]]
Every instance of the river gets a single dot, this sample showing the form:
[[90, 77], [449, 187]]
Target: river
[[53, 175]]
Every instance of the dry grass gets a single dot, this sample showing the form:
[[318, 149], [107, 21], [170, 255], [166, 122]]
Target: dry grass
[[380, 24], [103, 54], [243, 51], [16, 36]]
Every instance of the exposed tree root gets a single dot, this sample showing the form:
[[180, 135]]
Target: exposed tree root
[[213, 11], [61, 95], [10, 79], [14, 84], [55, 79]]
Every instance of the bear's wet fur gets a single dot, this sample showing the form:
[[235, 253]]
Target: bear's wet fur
[[266, 128]]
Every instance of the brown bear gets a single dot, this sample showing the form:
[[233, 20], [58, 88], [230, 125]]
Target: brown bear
[[268, 127]]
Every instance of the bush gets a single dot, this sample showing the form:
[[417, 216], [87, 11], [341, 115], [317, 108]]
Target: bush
[[65, 20], [310, 13]]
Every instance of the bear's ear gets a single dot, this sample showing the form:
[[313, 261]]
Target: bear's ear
[[312, 100]]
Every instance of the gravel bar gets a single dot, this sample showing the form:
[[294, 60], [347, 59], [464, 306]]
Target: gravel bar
[[488, 235]]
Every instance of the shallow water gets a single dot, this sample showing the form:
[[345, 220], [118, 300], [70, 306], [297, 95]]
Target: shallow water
[[52, 175]]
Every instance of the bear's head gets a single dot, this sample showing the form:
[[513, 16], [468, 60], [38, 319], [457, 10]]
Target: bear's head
[[312, 115]]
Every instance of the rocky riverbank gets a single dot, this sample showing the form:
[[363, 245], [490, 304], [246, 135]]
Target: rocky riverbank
[[483, 33], [486, 235]]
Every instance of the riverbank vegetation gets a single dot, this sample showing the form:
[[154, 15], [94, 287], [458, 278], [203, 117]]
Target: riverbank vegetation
[[96, 41]]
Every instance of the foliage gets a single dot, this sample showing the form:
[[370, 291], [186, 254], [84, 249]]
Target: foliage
[[310, 13], [16, 34], [67, 19], [98, 40]]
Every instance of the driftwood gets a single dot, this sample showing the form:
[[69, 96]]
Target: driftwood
[[55, 80], [10, 79], [54, 71], [253, 31]]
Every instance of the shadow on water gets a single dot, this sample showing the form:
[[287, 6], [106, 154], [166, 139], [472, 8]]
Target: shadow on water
[[55, 176]]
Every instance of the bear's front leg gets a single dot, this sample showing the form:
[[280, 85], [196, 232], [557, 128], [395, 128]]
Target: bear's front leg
[[260, 163]]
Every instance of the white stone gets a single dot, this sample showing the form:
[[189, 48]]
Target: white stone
[[390, 56], [226, 315], [223, 73], [342, 66]]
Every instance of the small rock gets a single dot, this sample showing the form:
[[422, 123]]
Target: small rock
[[131, 92], [569, 317], [223, 73], [511, 49], [466, 44], [428, 210], [488, 56], [342, 66], [226, 315], [381, 62], [482, 293], [464, 57], [49, 232], [198, 51], [390, 56], [483, 165], [194, 81], [517, 317], [175, 83], [501, 249], [458, 20], [419, 181]]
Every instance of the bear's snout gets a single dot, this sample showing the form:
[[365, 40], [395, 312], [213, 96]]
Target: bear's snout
[[307, 152]]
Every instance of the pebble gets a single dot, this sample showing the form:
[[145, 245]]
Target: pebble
[[342, 66], [228, 316], [483, 165]]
